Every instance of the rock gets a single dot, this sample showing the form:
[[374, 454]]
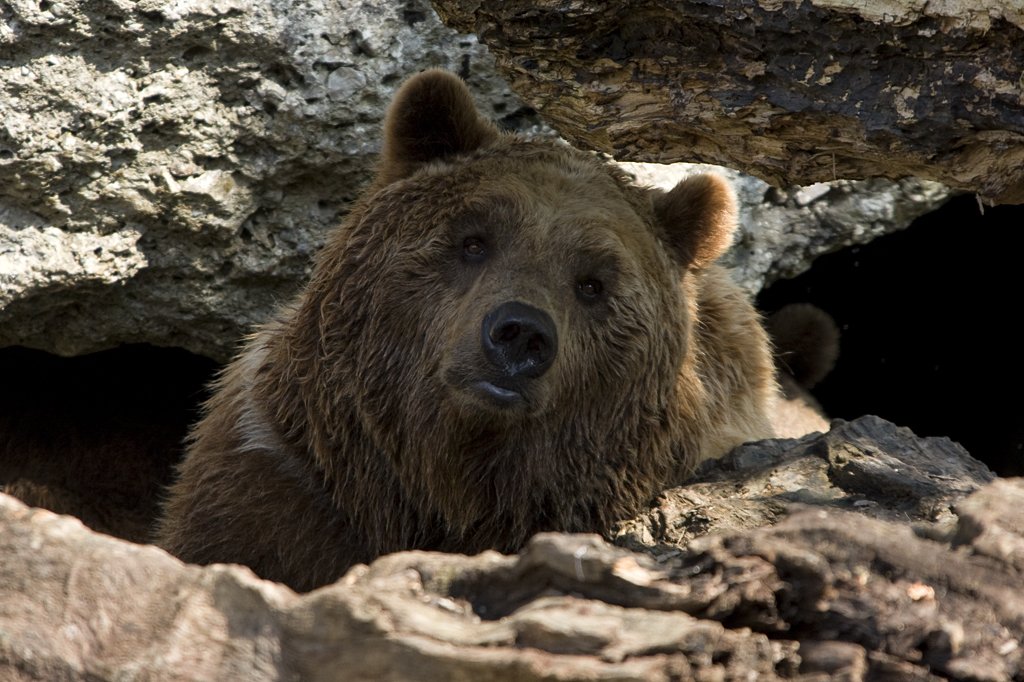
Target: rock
[[795, 93], [913, 604], [988, 529], [829, 590], [168, 180], [75, 605], [868, 465], [168, 169], [781, 232]]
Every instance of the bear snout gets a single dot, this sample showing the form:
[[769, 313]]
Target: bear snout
[[521, 341]]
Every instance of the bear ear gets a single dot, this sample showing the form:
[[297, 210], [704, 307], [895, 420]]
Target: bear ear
[[806, 341], [698, 218], [431, 117]]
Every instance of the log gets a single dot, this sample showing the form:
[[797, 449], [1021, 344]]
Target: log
[[793, 92], [823, 589]]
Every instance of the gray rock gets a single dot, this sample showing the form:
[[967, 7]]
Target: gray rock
[[167, 170]]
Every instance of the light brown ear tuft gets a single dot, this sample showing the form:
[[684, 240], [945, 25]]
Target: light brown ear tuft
[[698, 217], [431, 117]]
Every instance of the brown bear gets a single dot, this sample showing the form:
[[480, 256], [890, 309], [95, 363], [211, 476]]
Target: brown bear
[[806, 342], [504, 336]]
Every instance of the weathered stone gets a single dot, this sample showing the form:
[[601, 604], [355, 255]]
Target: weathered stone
[[168, 169], [988, 528], [794, 92], [781, 232], [868, 465], [75, 605], [168, 180], [824, 592]]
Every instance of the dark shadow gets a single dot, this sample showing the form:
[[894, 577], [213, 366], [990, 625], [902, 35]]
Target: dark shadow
[[928, 318], [97, 435]]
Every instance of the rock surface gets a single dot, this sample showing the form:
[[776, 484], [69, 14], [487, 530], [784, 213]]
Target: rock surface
[[781, 232], [867, 465], [168, 170], [793, 92], [825, 592]]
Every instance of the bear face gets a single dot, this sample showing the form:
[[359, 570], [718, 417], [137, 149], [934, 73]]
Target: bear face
[[504, 337], [514, 316]]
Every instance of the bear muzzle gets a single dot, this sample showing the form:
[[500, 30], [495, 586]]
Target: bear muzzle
[[520, 342]]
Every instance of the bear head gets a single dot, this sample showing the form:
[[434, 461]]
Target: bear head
[[507, 321]]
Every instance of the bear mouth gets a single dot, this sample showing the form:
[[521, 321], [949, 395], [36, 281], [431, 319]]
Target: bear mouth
[[499, 396], [480, 392]]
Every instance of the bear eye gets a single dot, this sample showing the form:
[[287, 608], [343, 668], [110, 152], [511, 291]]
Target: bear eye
[[589, 290], [474, 249]]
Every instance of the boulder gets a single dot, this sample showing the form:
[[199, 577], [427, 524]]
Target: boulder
[[168, 170], [793, 92], [868, 465], [828, 590]]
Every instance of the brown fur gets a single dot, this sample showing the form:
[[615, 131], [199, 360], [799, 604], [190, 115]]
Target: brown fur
[[345, 429], [806, 341]]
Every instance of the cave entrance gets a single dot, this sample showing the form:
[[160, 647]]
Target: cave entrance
[[97, 435], [928, 319]]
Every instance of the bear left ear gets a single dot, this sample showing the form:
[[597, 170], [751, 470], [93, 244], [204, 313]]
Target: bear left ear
[[431, 117], [698, 217]]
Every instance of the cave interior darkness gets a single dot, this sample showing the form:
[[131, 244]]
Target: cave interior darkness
[[929, 341], [104, 430], [928, 322]]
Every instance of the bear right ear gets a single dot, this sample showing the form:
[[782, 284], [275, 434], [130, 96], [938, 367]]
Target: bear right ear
[[698, 217], [431, 117]]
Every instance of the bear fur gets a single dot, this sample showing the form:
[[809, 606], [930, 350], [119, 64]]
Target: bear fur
[[385, 409], [806, 343]]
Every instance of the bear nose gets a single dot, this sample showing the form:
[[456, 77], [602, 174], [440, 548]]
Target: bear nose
[[519, 339]]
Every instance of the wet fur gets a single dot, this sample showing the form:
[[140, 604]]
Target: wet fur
[[337, 435]]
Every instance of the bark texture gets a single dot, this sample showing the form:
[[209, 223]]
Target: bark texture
[[827, 592], [793, 92]]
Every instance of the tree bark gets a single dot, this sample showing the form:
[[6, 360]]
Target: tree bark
[[794, 92], [867, 553]]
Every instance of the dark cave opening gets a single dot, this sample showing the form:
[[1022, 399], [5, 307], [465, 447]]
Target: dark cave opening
[[98, 435], [928, 322]]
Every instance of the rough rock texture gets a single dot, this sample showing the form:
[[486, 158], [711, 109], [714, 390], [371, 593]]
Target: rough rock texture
[[782, 231], [867, 465], [794, 92], [167, 170], [826, 592]]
